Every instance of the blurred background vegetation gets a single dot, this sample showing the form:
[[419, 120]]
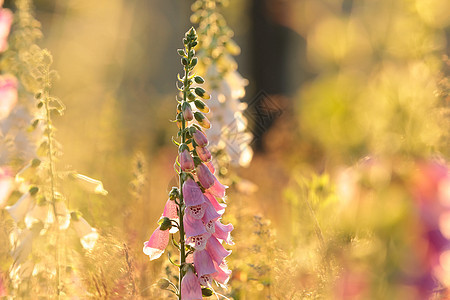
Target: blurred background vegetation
[[345, 80]]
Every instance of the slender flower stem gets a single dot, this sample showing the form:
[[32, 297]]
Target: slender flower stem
[[51, 170], [181, 204]]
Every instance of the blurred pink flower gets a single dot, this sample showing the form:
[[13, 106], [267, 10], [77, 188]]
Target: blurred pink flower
[[8, 93], [6, 184], [190, 287], [6, 18], [157, 243], [3, 292]]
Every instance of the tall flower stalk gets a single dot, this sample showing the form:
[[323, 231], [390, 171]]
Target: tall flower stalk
[[229, 136], [41, 215], [194, 207]]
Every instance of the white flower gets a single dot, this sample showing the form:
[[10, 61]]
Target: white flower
[[88, 235], [20, 209]]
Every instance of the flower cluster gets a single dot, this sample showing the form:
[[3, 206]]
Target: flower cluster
[[229, 134], [195, 209]]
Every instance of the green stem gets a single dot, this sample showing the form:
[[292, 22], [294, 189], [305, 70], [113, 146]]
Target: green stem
[[180, 211]]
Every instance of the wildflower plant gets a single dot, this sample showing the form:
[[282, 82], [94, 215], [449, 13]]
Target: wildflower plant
[[31, 182], [195, 207]]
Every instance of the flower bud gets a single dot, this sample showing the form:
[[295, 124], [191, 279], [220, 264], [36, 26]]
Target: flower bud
[[164, 223], [194, 62], [200, 138], [207, 292], [174, 193], [199, 79], [201, 106], [203, 153], [187, 112], [202, 120], [200, 91], [163, 283], [186, 161], [205, 176]]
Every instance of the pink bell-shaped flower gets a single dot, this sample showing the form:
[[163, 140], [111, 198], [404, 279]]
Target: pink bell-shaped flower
[[222, 232], [186, 161], [203, 153], [6, 184], [192, 226], [203, 263], [8, 89], [187, 112], [205, 176], [192, 194], [200, 138], [222, 274], [216, 250], [190, 287], [157, 243], [170, 210]]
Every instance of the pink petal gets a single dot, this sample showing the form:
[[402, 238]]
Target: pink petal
[[170, 210], [210, 166], [203, 263], [192, 226], [192, 194], [222, 232], [222, 274], [218, 189], [196, 211], [190, 287], [216, 250], [219, 207], [157, 243], [210, 213], [210, 226]]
